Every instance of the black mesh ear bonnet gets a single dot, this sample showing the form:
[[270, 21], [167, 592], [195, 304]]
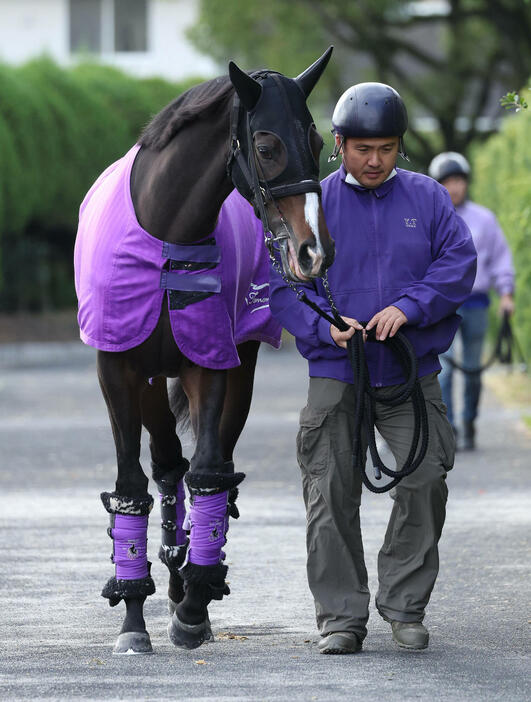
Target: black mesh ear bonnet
[[281, 110]]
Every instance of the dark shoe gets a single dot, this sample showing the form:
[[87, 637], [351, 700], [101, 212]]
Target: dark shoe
[[340, 642], [412, 635], [469, 436]]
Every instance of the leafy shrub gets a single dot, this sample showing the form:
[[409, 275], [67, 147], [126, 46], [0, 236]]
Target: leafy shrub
[[59, 129], [502, 182]]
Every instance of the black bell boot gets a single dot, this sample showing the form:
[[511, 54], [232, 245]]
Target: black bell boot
[[469, 436]]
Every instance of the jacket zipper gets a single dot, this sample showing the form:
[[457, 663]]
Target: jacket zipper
[[379, 373]]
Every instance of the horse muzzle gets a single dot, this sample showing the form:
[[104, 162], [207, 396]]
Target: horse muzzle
[[311, 261]]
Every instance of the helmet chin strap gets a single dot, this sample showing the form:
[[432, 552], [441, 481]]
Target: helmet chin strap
[[337, 148], [402, 149]]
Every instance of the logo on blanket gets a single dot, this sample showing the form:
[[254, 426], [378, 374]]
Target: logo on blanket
[[257, 299]]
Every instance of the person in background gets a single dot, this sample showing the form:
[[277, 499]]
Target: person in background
[[404, 261], [494, 270]]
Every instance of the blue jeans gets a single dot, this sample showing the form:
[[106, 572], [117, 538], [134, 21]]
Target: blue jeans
[[472, 330]]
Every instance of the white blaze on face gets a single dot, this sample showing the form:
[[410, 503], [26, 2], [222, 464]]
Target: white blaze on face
[[311, 214]]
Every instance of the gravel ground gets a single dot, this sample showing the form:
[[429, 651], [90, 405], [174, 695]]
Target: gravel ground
[[57, 633]]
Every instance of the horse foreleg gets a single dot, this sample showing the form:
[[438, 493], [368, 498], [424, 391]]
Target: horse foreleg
[[238, 398], [209, 481], [130, 504]]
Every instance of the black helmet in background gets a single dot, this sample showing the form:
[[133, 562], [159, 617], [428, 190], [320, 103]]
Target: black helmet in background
[[449, 163], [370, 110]]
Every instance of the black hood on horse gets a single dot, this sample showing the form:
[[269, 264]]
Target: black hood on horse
[[273, 161], [274, 130]]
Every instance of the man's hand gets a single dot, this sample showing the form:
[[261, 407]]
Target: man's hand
[[506, 304], [340, 337], [387, 322]]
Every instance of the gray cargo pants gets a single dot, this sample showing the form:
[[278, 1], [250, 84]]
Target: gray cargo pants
[[408, 562]]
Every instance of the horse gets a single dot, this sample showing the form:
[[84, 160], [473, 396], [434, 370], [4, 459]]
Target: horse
[[171, 276]]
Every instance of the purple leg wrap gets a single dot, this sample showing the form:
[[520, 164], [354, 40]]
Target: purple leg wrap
[[128, 530], [129, 535], [209, 522], [212, 497]]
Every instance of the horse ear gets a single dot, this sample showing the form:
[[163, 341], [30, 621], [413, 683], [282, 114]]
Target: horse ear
[[311, 75], [248, 89]]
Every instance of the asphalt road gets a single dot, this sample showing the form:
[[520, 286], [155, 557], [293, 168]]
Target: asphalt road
[[57, 633]]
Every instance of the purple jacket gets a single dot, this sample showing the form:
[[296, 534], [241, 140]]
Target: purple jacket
[[399, 244], [495, 264]]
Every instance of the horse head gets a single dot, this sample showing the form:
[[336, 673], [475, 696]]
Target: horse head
[[274, 164]]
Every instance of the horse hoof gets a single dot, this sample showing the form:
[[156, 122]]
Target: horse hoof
[[172, 608], [133, 643], [189, 635]]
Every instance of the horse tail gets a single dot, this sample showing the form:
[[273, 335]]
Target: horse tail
[[179, 404]]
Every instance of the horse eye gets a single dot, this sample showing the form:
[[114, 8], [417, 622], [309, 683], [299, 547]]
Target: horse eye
[[264, 151]]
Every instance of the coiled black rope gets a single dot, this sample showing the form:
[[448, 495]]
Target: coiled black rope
[[365, 409], [365, 401]]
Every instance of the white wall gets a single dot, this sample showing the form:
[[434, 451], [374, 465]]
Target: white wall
[[32, 27], [169, 52]]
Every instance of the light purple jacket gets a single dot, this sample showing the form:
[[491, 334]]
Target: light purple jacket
[[399, 244], [495, 263]]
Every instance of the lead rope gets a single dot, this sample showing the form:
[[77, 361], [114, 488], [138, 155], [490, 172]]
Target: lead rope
[[502, 352], [365, 396]]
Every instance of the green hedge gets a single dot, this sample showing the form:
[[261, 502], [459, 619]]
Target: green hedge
[[502, 182], [59, 129]]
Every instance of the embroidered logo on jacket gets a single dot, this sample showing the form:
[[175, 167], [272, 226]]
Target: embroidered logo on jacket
[[410, 222]]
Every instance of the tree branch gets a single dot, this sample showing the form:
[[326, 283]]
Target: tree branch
[[427, 148], [482, 96], [369, 39]]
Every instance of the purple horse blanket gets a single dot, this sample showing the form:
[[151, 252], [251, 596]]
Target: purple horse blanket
[[121, 274]]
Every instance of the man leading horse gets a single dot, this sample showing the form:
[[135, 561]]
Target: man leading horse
[[404, 261]]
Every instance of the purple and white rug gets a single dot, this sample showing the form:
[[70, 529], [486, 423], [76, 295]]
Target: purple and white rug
[[119, 269]]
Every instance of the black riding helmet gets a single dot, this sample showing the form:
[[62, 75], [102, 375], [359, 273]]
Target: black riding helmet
[[370, 110], [449, 163]]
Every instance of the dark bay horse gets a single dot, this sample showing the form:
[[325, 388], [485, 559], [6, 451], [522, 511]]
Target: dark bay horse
[[171, 283]]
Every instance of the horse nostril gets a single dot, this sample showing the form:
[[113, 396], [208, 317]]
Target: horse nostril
[[310, 259], [313, 255]]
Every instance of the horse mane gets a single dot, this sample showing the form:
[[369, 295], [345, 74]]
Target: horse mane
[[197, 102]]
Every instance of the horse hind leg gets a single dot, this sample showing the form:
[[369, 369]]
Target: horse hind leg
[[129, 505], [169, 467]]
